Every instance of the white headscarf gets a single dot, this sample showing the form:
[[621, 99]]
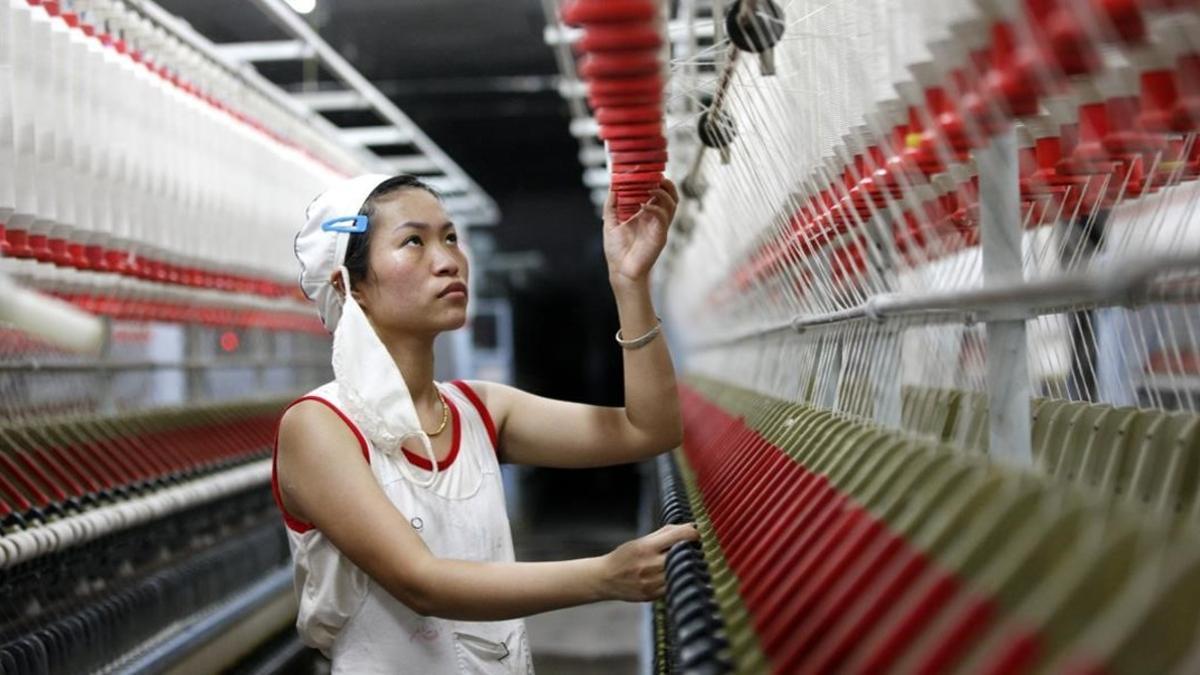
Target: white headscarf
[[369, 382]]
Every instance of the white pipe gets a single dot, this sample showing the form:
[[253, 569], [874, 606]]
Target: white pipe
[[92, 524], [59, 323]]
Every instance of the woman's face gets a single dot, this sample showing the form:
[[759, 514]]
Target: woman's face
[[417, 283]]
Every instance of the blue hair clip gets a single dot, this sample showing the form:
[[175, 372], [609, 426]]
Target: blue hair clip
[[360, 224]]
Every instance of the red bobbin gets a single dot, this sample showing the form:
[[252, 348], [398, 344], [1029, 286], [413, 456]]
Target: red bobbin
[[639, 167], [619, 64], [650, 178], [625, 86], [653, 141], [624, 100], [622, 131], [619, 38], [629, 115], [586, 12], [639, 156]]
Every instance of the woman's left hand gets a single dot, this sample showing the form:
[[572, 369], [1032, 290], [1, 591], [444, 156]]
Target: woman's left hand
[[632, 247]]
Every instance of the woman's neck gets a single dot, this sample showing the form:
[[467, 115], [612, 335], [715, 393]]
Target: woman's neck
[[414, 358]]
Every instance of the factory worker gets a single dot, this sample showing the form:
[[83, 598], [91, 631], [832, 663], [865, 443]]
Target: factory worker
[[389, 482]]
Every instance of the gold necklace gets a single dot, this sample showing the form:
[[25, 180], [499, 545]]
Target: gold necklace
[[445, 417]]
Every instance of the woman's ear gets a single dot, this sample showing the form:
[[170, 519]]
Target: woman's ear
[[336, 280]]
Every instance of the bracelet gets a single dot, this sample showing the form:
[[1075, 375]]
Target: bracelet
[[639, 342]]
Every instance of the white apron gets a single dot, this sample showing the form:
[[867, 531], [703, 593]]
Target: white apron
[[358, 624]]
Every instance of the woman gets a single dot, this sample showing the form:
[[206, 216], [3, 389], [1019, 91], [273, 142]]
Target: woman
[[389, 482]]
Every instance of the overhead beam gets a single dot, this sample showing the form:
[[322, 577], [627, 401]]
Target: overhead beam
[[291, 22], [461, 204], [272, 50], [322, 101], [382, 135], [446, 185], [411, 164]]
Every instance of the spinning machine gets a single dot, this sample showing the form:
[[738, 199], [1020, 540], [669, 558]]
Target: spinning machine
[[934, 296], [151, 330]]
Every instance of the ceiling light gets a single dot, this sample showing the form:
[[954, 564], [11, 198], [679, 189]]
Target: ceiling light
[[302, 6]]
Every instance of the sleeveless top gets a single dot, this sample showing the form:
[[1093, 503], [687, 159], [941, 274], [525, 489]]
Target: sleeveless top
[[358, 624]]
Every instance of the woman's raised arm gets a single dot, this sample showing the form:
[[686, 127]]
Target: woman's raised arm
[[544, 432]]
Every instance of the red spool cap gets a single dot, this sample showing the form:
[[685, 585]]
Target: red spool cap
[[71, 18], [643, 178], [584, 12], [1005, 82], [18, 244], [653, 141], [1093, 127], [58, 252], [619, 64], [95, 257], [629, 114], [625, 86], [624, 100], [1123, 136], [632, 189], [51, 7], [1187, 109], [77, 255], [40, 247], [117, 261], [639, 156], [619, 38], [639, 167], [1070, 42], [1125, 17], [619, 131]]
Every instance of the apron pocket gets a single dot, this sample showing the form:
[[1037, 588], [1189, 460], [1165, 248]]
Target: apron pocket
[[477, 654]]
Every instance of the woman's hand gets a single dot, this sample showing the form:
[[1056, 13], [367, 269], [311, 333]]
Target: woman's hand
[[636, 570], [632, 247]]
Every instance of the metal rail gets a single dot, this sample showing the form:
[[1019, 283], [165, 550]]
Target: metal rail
[[227, 616], [1132, 283]]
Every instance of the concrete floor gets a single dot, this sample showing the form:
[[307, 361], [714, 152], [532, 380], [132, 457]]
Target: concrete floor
[[599, 638]]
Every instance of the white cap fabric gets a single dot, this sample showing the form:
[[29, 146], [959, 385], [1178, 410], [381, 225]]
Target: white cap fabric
[[321, 252]]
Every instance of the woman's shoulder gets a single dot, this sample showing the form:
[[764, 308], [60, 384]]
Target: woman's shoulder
[[470, 388], [493, 397], [487, 391], [316, 420]]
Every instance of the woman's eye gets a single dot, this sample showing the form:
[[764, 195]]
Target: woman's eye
[[452, 238], [412, 240]]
